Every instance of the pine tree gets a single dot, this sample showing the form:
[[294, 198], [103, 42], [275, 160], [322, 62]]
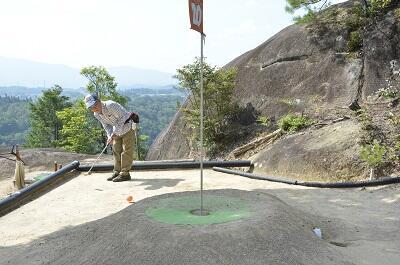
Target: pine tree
[[45, 126], [311, 7]]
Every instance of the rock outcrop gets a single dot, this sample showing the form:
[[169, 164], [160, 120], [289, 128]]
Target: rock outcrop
[[309, 66]]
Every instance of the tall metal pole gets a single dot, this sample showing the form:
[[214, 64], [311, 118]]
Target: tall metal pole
[[201, 124]]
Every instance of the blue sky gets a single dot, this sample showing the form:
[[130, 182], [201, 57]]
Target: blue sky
[[150, 34]]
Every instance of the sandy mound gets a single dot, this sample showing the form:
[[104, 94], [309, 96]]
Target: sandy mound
[[272, 233]]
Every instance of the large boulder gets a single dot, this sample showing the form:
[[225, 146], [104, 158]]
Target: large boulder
[[307, 69], [328, 153]]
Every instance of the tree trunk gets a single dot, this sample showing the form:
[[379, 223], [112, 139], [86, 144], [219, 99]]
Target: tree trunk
[[243, 149]]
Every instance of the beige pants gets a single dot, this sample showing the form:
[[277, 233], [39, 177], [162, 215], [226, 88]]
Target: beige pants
[[123, 152]]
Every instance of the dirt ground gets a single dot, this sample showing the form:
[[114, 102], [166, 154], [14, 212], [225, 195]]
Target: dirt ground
[[39, 161], [363, 223]]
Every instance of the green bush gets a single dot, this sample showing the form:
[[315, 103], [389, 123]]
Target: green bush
[[373, 154], [365, 119], [355, 42], [378, 6], [397, 13], [355, 20], [292, 122], [263, 120], [390, 91]]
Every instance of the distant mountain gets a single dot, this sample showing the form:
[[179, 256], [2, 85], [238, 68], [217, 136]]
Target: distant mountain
[[18, 72], [34, 92], [127, 76]]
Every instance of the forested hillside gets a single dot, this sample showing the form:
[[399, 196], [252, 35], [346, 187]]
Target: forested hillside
[[155, 110], [14, 120], [35, 92]]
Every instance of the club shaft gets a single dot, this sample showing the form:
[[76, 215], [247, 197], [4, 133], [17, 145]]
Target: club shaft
[[97, 158]]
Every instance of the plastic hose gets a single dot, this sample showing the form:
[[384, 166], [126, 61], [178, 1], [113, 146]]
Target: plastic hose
[[16, 198], [347, 184], [148, 165]]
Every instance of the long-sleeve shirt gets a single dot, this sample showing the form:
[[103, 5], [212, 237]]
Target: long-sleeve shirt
[[113, 117]]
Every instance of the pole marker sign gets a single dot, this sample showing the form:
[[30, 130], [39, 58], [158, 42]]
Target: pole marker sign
[[196, 15]]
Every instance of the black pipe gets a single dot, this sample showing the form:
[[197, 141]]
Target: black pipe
[[349, 184], [13, 200], [253, 176], [147, 165]]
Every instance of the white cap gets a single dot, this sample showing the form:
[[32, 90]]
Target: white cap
[[90, 100]]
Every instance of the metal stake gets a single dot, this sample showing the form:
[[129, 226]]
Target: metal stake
[[201, 124]]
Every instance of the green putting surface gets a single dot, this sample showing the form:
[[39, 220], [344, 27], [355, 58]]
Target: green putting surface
[[177, 210]]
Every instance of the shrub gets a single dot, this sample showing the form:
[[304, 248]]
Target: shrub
[[397, 13], [356, 18], [293, 123], [365, 119], [373, 154], [263, 120], [378, 6], [388, 92], [355, 42]]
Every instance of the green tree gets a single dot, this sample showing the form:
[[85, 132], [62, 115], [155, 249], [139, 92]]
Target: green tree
[[79, 134], [218, 91], [311, 7], [45, 125], [142, 146], [103, 83], [156, 112]]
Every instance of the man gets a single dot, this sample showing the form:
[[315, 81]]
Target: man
[[119, 125]]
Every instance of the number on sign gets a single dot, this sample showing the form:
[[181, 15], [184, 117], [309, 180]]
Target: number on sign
[[197, 14]]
